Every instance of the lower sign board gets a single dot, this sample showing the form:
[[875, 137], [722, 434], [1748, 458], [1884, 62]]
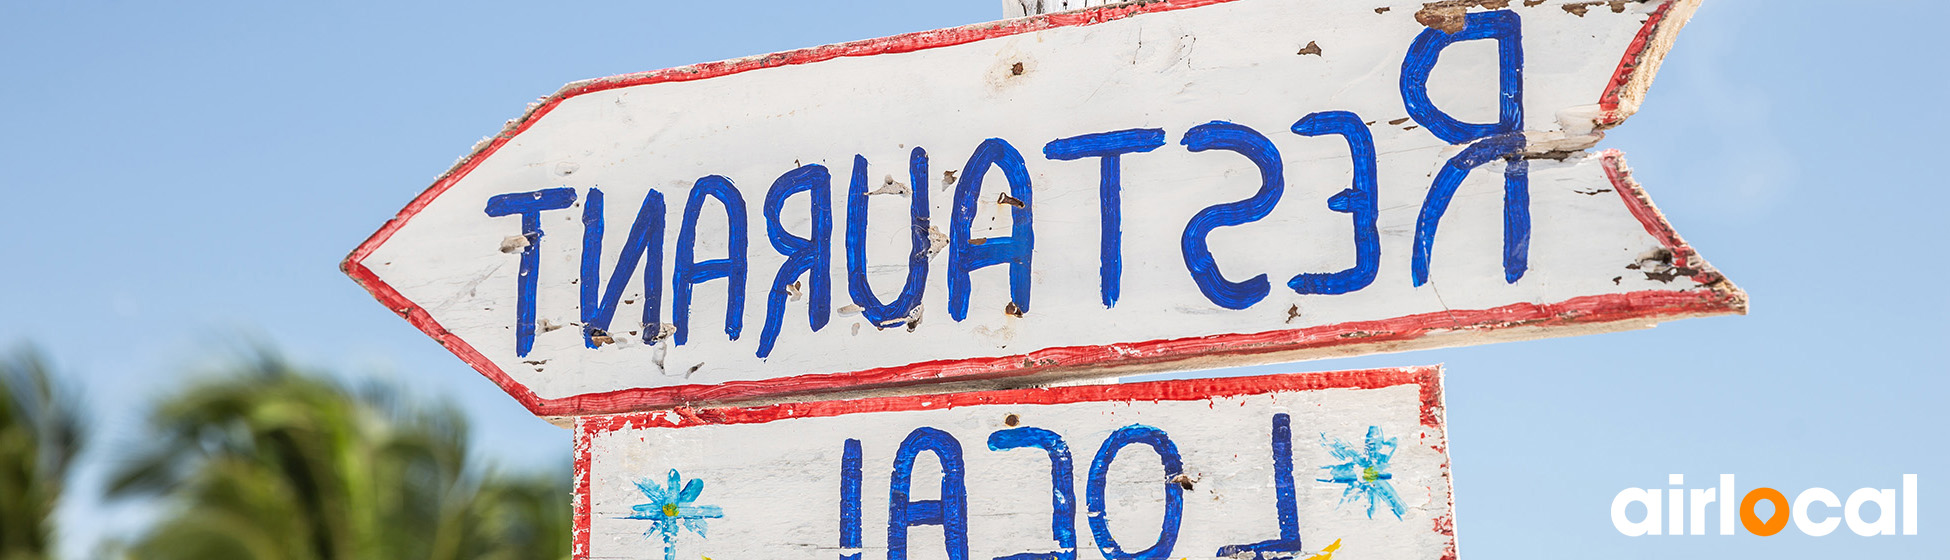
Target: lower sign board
[[1282, 466]]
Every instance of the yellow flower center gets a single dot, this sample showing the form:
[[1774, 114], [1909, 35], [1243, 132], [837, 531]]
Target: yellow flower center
[[1369, 474], [670, 510]]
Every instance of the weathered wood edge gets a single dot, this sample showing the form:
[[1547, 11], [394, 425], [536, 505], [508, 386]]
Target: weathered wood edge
[[1430, 379], [1630, 83]]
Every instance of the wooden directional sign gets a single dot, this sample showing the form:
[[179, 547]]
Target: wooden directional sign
[[1352, 464], [1130, 188]]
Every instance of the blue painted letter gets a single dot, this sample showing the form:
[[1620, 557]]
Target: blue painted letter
[[1284, 505], [1506, 28], [1109, 146], [1361, 201], [1174, 494], [1221, 135], [966, 255], [895, 313], [812, 258], [530, 206], [646, 237], [1503, 139], [690, 272], [850, 464], [1063, 492], [1516, 204], [950, 512]]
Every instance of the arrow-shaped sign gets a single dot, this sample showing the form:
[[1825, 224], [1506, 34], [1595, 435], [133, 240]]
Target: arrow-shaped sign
[[1131, 188]]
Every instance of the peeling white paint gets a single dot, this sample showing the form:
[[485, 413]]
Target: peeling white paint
[[1029, 82], [771, 481]]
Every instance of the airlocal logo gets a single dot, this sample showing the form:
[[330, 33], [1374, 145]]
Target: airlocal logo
[[1681, 505]]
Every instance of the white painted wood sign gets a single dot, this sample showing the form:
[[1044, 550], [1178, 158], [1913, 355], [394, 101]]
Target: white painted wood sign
[[1314, 466], [1129, 188]]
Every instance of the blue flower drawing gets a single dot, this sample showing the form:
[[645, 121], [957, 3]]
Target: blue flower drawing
[[1364, 471], [671, 509]]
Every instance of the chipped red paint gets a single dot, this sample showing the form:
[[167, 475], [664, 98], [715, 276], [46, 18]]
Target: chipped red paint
[[1427, 378], [1655, 223], [1380, 334], [581, 505], [1446, 525], [1583, 310], [1634, 54]]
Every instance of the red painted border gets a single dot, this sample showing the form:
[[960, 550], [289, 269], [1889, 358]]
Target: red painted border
[[581, 506], [1628, 66], [1655, 223], [1583, 310], [1428, 378], [1176, 390]]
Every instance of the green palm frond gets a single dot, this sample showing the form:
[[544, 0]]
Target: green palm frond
[[41, 432], [273, 462]]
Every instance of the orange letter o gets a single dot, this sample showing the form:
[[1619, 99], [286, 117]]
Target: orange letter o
[[1752, 522]]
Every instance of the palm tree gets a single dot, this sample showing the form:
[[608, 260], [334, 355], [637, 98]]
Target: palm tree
[[40, 433], [271, 462]]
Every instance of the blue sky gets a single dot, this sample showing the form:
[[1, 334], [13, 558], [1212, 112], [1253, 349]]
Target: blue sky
[[181, 179]]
